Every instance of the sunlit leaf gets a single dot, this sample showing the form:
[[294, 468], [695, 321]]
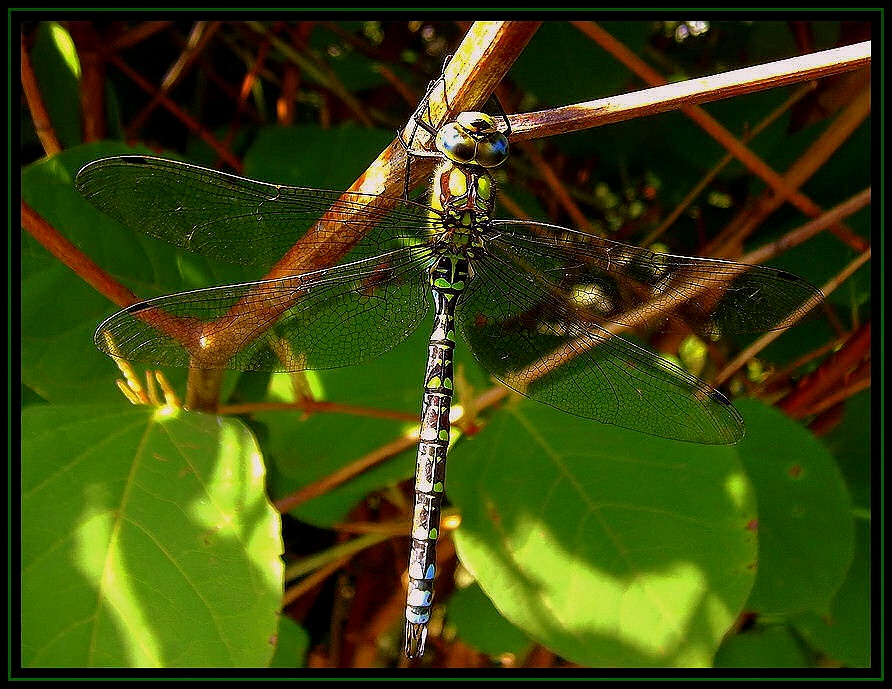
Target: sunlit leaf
[[147, 541], [610, 548]]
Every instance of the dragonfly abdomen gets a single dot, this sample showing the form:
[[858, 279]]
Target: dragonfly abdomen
[[448, 278]]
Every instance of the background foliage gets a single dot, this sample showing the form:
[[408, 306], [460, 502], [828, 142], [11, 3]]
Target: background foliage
[[148, 538]]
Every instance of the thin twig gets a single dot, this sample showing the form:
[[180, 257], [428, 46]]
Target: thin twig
[[597, 113], [74, 258], [837, 395], [344, 474], [555, 185], [826, 378], [190, 122], [796, 237], [199, 37], [698, 188], [136, 35], [43, 127], [798, 173]]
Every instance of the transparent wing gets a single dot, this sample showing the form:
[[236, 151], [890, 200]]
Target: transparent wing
[[607, 281], [534, 342], [233, 218], [333, 317]]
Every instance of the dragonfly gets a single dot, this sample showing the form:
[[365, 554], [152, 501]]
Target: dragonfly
[[541, 307]]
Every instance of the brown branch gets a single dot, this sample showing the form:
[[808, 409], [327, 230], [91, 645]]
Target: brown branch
[[74, 258], [597, 113], [829, 375], [853, 384], [86, 269], [90, 51], [43, 127], [810, 229]]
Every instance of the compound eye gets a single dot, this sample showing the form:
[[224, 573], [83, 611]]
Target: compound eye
[[455, 143], [493, 151]]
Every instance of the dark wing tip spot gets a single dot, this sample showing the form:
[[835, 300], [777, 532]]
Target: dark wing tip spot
[[788, 276], [137, 307], [720, 398], [135, 160]]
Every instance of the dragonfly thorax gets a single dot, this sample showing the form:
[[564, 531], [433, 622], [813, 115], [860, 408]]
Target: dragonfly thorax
[[462, 201]]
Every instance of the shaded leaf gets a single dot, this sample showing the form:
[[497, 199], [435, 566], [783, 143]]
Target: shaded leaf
[[805, 515], [844, 634], [292, 644], [762, 647], [479, 624]]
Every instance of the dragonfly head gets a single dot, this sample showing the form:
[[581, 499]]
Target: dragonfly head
[[473, 139]]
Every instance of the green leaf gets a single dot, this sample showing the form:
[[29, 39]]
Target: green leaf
[[147, 541], [479, 624], [292, 644], [304, 449], [844, 633], [60, 311], [314, 156], [805, 514], [773, 646], [57, 69], [611, 548]]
